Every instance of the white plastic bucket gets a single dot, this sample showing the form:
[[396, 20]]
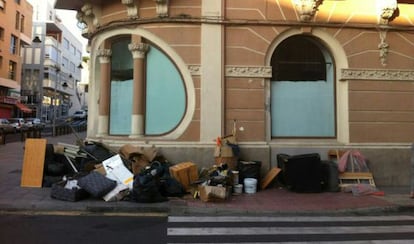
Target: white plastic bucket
[[238, 189], [250, 185]]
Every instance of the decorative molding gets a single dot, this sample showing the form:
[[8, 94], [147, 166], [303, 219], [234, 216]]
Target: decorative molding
[[387, 10], [132, 8], [306, 8], [194, 69], [104, 55], [377, 74], [162, 8], [87, 16], [383, 47], [239, 71], [138, 49], [249, 71]]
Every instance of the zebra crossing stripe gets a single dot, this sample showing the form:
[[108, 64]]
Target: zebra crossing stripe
[[288, 230], [319, 242], [191, 219]]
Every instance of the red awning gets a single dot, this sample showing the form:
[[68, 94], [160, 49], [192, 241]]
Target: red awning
[[23, 108]]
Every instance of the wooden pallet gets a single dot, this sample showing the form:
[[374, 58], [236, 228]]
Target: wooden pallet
[[351, 178]]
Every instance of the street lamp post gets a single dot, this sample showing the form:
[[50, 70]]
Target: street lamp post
[[57, 70], [64, 85]]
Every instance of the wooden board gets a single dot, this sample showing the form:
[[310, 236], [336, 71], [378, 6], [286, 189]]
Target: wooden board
[[33, 163], [269, 177]]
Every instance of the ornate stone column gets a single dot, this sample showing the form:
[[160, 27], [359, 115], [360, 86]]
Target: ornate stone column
[[104, 96], [138, 50]]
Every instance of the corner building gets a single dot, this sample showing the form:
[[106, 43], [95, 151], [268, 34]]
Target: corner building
[[296, 76], [15, 34]]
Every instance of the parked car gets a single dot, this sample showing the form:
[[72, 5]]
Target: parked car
[[17, 123], [6, 126], [34, 122], [80, 114]]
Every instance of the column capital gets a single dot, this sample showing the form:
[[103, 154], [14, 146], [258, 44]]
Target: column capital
[[138, 49], [132, 8], [162, 8], [104, 55]]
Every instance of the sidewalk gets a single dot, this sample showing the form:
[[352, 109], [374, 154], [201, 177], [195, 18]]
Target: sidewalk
[[273, 201]]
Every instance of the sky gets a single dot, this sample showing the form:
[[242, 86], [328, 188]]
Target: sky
[[68, 18]]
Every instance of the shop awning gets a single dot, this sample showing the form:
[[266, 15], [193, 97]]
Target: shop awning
[[23, 108]]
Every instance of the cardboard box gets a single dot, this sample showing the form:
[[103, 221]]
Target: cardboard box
[[129, 151], [213, 193], [186, 173], [223, 151]]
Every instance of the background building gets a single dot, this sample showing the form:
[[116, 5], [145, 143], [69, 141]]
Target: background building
[[298, 76], [52, 66], [15, 33]]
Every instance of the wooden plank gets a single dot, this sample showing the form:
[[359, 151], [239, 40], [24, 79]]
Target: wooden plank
[[269, 177], [351, 178], [351, 175], [33, 163]]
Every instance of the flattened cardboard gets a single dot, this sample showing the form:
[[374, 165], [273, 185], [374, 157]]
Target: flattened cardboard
[[115, 166], [33, 163]]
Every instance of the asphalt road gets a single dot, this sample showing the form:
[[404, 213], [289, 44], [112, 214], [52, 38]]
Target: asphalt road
[[62, 229], [78, 228]]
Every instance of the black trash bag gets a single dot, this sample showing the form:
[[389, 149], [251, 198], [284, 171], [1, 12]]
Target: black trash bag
[[171, 187], [55, 169], [146, 187], [48, 181]]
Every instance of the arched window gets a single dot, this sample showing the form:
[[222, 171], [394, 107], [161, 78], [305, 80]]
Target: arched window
[[165, 96], [302, 90], [121, 88]]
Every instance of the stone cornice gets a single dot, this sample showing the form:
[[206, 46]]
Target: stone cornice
[[239, 71], [377, 74]]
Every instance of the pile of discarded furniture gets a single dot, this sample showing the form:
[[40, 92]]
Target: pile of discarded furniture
[[345, 171], [141, 174]]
